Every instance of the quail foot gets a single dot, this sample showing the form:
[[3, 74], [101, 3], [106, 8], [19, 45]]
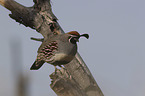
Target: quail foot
[[58, 50]]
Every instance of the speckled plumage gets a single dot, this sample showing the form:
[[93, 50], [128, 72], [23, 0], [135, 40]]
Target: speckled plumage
[[57, 50]]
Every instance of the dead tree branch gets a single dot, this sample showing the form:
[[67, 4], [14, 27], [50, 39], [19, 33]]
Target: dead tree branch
[[77, 80]]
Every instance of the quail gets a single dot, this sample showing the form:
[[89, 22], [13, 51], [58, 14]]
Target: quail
[[58, 50]]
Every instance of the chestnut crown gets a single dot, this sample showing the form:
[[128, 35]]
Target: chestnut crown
[[74, 36]]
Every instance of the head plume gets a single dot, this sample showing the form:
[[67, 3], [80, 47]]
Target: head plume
[[77, 34]]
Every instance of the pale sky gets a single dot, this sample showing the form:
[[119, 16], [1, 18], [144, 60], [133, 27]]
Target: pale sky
[[114, 53]]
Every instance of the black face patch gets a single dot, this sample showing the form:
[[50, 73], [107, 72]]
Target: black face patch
[[73, 40]]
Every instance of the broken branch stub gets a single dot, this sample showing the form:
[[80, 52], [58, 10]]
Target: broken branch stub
[[40, 17]]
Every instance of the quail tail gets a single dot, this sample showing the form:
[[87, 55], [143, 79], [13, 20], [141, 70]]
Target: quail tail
[[36, 65]]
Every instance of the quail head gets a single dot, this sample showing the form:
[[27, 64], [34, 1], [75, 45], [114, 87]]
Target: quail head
[[58, 50]]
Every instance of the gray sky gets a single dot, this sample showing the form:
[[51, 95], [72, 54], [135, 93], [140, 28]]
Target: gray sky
[[115, 52]]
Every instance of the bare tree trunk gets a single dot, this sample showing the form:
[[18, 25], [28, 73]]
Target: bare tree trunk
[[76, 80]]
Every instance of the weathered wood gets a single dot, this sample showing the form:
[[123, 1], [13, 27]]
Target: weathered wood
[[76, 79], [64, 85]]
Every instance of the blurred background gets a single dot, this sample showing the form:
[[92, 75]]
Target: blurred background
[[115, 52]]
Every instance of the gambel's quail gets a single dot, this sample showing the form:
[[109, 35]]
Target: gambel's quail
[[58, 50]]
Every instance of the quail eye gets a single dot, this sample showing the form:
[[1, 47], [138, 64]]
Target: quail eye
[[73, 40]]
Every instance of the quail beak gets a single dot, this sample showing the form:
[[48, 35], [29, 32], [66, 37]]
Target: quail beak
[[77, 39], [85, 35]]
